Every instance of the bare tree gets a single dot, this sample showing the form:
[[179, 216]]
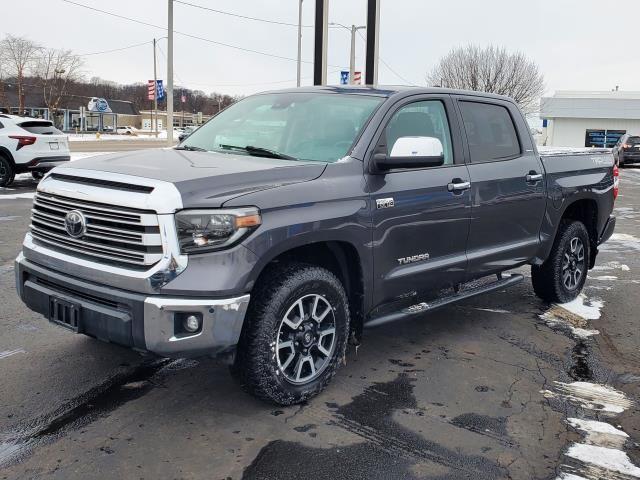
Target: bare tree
[[56, 69], [19, 56], [491, 69]]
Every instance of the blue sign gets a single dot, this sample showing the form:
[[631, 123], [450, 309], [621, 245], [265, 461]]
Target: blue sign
[[160, 93], [344, 78]]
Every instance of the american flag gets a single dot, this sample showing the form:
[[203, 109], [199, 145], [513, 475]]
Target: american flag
[[151, 89], [357, 78]]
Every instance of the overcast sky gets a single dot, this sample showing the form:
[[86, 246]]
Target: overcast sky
[[579, 44]]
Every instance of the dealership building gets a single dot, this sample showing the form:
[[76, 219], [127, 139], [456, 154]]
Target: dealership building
[[589, 119]]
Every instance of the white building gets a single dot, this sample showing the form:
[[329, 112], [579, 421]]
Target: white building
[[589, 119]]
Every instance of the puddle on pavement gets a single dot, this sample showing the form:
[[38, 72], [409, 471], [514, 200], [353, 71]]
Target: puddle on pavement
[[388, 450], [81, 411]]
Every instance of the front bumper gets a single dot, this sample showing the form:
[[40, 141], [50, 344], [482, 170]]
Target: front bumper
[[138, 321]]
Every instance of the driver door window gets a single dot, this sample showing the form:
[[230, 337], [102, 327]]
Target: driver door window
[[421, 119]]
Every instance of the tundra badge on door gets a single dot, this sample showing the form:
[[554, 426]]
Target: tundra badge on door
[[414, 258]]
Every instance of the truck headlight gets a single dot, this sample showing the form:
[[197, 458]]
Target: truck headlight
[[206, 230]]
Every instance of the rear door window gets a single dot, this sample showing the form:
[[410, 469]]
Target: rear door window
[[490, 132], [40, 128]]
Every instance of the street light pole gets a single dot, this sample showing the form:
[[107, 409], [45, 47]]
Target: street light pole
[[155, 92], [170, 73], [299, 42]]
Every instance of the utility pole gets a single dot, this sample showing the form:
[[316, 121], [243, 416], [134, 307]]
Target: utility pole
[[352, 56], [170, 74], [155, 92], [299, 42]]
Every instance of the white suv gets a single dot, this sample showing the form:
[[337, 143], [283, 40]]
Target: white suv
[[29, 145]]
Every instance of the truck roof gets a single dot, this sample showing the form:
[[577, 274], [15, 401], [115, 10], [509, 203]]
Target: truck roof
[[386, 90]]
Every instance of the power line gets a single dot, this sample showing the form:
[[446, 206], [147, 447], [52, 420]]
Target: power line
[[114, 49], [386, 64], [245, 17], [196, 37]]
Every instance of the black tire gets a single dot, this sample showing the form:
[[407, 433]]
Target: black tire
[[7, 172], [550, 279], [258, 362]]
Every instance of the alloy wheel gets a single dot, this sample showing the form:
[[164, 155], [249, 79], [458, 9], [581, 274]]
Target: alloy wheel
[[306, 339], [573, 264]]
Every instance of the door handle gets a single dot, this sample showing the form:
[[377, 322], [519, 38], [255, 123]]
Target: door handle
[[533, 176], [457, 185]]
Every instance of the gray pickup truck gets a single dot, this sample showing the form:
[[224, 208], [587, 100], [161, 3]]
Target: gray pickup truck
[[293, 219]]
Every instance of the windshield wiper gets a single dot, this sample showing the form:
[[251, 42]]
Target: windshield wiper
[[191, 148], [259, 151]]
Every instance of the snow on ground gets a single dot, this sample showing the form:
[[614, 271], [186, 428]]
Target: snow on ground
[[142, 135], [608, 459], [591, 396], [574, 316]]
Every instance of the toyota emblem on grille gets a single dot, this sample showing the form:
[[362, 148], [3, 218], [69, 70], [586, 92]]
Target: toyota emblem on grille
[[75, 223]]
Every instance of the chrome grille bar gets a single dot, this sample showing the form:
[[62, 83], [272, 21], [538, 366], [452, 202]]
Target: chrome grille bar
[[114, 234]]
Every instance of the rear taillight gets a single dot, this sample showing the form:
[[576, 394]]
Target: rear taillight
[[23, 140], [616, 181]]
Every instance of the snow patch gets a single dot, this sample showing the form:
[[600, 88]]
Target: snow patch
[[8, 353], [574, 316], [591, 396], [604, 278], [599, 433], [607, 458], [17, 196], [612, 266], [493, 310], [624, 240]]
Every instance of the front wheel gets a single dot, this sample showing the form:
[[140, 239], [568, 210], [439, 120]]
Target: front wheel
[[295, 334], [562, 276], [7, 172]]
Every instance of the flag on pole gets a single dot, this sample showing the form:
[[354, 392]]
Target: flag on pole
[[344, 78], [160, 90], [151, 89], [357, 78]]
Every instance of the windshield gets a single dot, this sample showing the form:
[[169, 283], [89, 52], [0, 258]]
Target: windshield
[[300, 126], [633, 140]]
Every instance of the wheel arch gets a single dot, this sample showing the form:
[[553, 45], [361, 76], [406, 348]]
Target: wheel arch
[[4, 151], [341, 258]]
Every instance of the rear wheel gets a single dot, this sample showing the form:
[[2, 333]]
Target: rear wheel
[[562, 276], [295, 334], [7, 172]]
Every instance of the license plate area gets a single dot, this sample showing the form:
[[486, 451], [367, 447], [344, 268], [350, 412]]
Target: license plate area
[[54, 145], [64, 313]]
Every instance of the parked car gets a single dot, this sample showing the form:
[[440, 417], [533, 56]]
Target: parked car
[[29, 145], [290, 221], [127, 130], [186, 131], [627, 150]]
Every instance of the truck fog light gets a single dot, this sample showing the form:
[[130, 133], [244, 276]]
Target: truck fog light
[[191, 323]]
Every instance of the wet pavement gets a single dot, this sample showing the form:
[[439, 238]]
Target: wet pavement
[[500, 386]]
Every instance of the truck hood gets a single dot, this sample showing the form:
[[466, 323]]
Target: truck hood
[[204, 179]]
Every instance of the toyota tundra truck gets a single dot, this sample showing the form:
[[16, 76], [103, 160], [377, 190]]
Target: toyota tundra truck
[[279, 230]]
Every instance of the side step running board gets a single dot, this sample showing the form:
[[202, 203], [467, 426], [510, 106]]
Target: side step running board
[[505, 281]]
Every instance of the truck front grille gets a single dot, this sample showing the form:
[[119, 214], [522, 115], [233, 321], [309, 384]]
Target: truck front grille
[[123, 236]]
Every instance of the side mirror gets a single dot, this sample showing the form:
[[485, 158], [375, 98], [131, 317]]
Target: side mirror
[[412, 152]]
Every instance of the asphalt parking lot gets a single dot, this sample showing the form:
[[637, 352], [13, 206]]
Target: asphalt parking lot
[[500, 386]]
